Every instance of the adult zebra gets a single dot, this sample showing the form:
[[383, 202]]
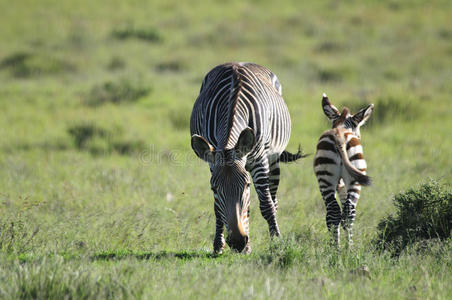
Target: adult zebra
[[240, 124]]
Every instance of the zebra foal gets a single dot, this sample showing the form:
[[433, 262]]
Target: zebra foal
[[240, 125], [339, 165]]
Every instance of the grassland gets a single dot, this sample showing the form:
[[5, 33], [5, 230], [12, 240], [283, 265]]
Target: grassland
[[102, 197]]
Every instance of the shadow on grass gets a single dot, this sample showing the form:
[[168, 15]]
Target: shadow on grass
[[159, 255]]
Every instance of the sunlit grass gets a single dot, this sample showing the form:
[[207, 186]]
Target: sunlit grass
[[102, 197]]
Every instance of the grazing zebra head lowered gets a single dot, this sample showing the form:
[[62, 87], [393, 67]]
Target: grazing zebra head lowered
[[339, 165], [230, 184], [240, 126]]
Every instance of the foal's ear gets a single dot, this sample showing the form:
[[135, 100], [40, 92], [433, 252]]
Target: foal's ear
[[361, 117], [245, 142], [329, 109], [202, 148]]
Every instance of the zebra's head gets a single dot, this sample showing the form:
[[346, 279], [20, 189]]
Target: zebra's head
[[230, 183], [345, 119]]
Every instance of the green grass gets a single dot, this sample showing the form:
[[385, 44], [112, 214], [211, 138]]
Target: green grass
[[101, 195]]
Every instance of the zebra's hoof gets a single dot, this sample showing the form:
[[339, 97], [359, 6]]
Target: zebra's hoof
[[247, 249], [217, 252], [275, 234], [218, 248]]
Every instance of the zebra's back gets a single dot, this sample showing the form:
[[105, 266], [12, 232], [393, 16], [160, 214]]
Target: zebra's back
[[235, 96]]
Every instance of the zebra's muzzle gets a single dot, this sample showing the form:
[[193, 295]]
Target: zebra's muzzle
[[237, 238], [237, 243]]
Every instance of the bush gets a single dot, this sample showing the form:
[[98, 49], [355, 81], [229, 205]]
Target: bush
[[421, 214], [116, 63], [145, 34], [391, 108], [330, 75], [24, 65], [100, 141], [85, 132], [170, 66], [329, 47], [116, 92], [180, 118], [386, 110]]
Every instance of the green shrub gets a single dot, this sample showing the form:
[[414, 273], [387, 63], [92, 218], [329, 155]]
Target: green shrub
[[423, 213], [24, 65], [101, 141], [329, 47], [180, 118], [170, 66], [83, 133], [386, 109], [330, 75], [116, 92], [145, 34], [389, 108], [125, 147], [116, 63]]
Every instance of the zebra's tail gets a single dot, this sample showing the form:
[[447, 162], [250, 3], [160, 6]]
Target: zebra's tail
[[287, 157], [358, 175]]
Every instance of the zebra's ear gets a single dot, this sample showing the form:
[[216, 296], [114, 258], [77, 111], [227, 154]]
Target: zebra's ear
[[202, 148], [361, 117], [245, 142], [329, 109]]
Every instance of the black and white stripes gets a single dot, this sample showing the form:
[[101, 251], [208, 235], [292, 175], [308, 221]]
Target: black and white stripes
[[240, 125], [339, 165]]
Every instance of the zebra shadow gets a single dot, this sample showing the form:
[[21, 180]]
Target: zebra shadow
[[158, 255]]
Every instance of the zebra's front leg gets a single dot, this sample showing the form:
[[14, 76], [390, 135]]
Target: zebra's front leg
[[349, 210], [247, 249], [260, 175], [218, 241]]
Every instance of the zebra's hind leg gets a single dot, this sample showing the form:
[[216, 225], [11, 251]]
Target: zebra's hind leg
[[333, 213], [260, 174], [342, 192], [349, 210], [327, 174], [274, 181], [218, 241]]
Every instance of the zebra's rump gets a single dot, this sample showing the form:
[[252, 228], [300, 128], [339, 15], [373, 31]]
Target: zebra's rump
[[235, 96], [328, 162]]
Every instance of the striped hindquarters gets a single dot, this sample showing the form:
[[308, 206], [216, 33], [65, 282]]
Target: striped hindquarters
[[328, 162], [327, 166]]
